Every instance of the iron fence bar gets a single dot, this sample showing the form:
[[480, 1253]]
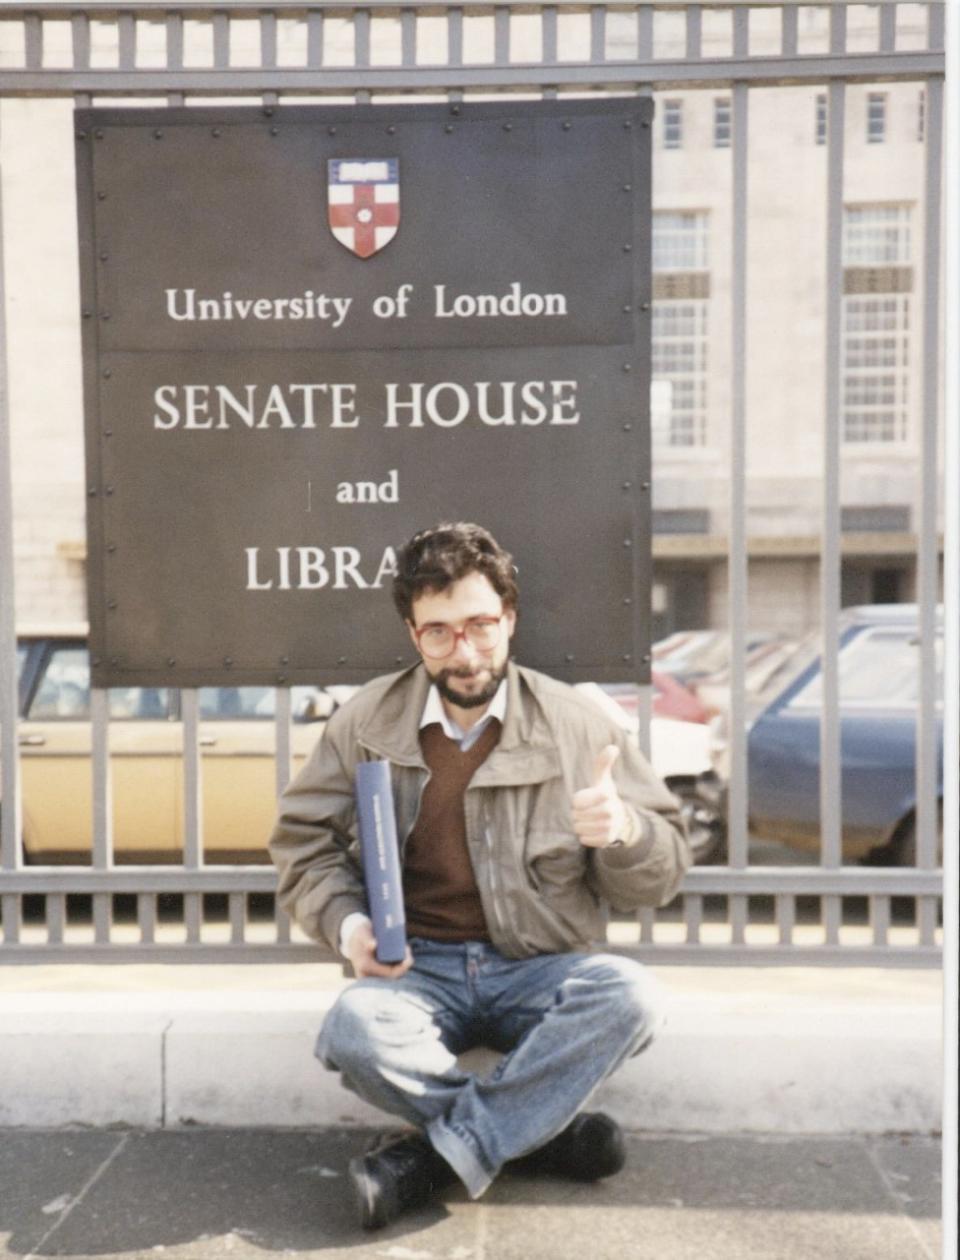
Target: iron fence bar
[[361, 35], [268, 39], [314, 39], [830, 782], [56, 917], [80, 35], [408, 37], [33, 41], [12, 920], [548, 28], [737, 557], [126, 41], [694, 16], [221, 41], [847, 881], [661, 75], [645, 34], [786, 917], [880, 919], [741, 34], [927, 557], [174, 34], [951, 662], [789, 36], [888, 27], [11, 857], [737, 910], [147, 918], [501, 35], [455, 37], [192, 781], [693, 917], [598, 34], [155, 10], [102, 779], [282, 727]]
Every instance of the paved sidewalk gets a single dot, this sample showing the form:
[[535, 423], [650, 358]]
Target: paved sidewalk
[[196, 1195]]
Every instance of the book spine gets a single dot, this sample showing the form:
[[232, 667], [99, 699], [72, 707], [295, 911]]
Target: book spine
[[381, 859]]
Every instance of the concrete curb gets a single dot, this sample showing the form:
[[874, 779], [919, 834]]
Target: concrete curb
[[774, 1054]]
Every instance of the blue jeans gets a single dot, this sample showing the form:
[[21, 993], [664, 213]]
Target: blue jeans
[[563, 1022]]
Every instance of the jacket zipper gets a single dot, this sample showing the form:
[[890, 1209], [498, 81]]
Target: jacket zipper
[[494, 884]]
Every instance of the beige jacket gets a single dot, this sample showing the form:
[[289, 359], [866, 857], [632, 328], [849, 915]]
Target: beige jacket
[[542, 891]]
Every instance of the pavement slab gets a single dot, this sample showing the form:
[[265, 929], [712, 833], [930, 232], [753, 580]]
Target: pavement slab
[[207, 1194]]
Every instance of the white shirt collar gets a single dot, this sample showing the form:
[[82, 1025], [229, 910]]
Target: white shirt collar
[[433, 711]]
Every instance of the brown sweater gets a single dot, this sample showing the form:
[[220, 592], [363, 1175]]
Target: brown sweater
[[440, 893]]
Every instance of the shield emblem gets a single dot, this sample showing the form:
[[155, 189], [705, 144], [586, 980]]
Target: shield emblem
[[363, 202]]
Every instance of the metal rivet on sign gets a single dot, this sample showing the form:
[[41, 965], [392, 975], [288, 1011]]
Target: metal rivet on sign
[[109, 489], [104, 256], [569, 658], [448, 128], [98, 134], [627, 308], [644, 485], [114, 660], [87, 314], [644, 123], [391, 131], [268, 111], [111, 604], [627, 656], [454, 109], [627, 599], [627, 126], [228, 661], [644, 306], [398, 660], [216, 133], [107, 374], [628, 187], [171, 660], [97, 660], [628, 367], [105, 315], [274, 131], [108, 433], [627, 428], [508, 126], [284, 660], [628, 542], [158, 135], [281, 678], [626, 485], [341, 660], [646, 658], [627, 249], [101, 196], [81, 135], [92, 492], [567, 126], [331, 131], [111, 548]]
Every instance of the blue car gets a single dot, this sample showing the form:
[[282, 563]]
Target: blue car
[[879, 686]]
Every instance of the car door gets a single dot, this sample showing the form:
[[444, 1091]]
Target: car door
[[56, 765]]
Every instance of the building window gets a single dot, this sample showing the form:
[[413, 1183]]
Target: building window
[[679, 387], [876, 236], [680, 240], [876, 330], [721, 122], [876, 117], [921, 115], [672, 124], [821, 136]]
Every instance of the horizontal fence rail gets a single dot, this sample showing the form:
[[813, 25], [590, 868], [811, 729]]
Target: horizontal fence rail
[[372, 52]]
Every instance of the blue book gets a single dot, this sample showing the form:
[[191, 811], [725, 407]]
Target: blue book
[[381, 859]]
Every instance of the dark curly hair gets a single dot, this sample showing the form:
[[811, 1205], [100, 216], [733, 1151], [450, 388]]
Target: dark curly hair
[[437, 557]]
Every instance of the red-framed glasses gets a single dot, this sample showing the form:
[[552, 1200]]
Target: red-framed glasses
[[438, 640]]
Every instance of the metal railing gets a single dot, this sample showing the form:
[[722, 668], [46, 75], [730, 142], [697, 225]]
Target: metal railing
[[379, 51]]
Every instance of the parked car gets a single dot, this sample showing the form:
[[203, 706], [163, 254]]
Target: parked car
[[237, 741], [146, 742], [879, 687]]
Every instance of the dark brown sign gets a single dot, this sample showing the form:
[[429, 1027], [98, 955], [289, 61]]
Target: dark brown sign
[[312, 331]]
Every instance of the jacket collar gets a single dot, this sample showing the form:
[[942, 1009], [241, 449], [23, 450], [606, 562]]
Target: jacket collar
[[392, 730]]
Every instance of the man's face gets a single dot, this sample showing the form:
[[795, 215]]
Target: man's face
[[466, 676]]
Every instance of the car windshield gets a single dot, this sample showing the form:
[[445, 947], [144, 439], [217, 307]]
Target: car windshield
[[879, 668]]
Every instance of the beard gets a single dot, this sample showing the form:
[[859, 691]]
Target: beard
[[473, 699]]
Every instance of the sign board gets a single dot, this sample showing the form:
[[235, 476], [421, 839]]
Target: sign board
[[311, 331]]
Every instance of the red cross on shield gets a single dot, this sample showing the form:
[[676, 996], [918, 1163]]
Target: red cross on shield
[[363, 202]]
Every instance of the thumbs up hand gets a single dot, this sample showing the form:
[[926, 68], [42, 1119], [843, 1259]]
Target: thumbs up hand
[[599, 815]]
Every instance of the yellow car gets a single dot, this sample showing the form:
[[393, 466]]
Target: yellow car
[[237, 743]]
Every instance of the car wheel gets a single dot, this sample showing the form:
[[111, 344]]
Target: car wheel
[[706, 826], [903, 849]]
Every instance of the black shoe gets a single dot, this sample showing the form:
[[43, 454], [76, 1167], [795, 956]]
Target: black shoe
[[590, 1147], [402, 1174]]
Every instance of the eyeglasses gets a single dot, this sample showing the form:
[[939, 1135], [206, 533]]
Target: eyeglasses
[[437, 641]]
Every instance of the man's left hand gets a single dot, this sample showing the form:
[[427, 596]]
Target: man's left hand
[[599, 815]]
